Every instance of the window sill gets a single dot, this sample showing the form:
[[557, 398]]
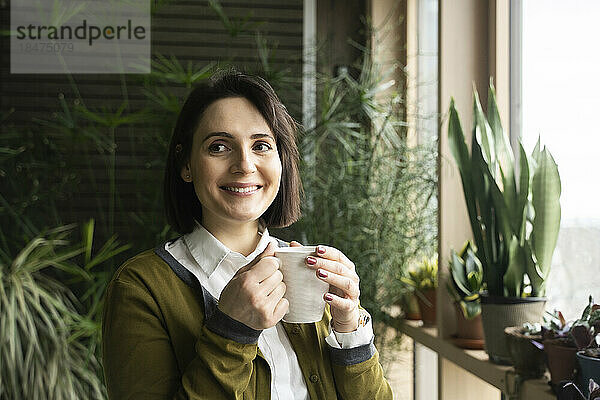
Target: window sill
[[476, 362]]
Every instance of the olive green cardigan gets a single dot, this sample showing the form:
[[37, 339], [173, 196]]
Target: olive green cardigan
[[164, 338]]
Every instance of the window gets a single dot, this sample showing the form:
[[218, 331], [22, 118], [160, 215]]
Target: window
[[560, 103]]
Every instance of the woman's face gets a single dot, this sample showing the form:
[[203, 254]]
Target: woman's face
[[234, 163]]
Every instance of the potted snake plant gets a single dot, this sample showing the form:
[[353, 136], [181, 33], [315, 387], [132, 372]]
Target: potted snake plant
[[464, 285], [515, 217]]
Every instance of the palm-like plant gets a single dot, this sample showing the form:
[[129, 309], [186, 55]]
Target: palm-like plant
[[368, 192], [36, 317], [48, 337]]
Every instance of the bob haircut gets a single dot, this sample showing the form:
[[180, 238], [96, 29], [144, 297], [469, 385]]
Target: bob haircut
[[183, 209]]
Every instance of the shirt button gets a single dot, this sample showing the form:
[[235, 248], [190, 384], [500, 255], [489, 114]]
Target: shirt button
[[296, 330], [314, 378]]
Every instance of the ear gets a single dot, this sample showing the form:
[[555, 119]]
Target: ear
[[186, 173]]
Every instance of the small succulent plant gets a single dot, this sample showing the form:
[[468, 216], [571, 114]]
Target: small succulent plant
[[467, 280], [529, 329], [424, 275], [586, 330]]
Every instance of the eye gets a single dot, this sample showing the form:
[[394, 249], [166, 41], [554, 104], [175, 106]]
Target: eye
[[262, 146], [217, 148]]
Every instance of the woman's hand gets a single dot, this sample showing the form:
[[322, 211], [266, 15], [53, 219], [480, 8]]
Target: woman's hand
[[254, 296], [336, 269]]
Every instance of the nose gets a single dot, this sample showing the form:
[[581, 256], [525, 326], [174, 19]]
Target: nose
[[243, 163]]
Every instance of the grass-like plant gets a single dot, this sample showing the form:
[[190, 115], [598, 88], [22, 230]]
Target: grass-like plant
[[48, 335], [37, 312]]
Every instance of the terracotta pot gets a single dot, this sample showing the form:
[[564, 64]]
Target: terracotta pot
[[527, 358], [468, 328], [427, 308], [561, 360], [498, 313], [411, 309]]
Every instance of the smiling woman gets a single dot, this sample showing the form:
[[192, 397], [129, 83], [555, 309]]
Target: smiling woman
[[234, 165], [201, 316]]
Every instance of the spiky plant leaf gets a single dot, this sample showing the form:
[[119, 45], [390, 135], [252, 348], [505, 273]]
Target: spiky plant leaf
[[37, 314]]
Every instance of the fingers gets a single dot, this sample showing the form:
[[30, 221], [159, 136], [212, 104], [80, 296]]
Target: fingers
[[293, 243], [280, 309], [331, 253], [263, 269], [333, 267], [271, 282], [277, 292], [269, 251], [347, 285], [340, 303]]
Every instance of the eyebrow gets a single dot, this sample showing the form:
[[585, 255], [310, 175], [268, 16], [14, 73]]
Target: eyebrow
[[229, 135]]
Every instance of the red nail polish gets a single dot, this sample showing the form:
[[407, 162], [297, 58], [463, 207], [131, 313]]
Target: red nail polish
[[322, 273], [328, 297], [320, 249], [311, 260]]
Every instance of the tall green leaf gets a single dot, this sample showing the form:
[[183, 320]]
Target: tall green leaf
[[520, 217], [506, 159], [460, 152], [545, 193], [513, 279]]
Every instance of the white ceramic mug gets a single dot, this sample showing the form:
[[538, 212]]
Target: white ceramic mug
[[304, 290]]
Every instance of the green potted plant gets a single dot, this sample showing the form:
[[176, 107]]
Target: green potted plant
[[559, 347], [570, 391], [514, 216], [423, 280], [464, 285], [586, 335], [527, 358]]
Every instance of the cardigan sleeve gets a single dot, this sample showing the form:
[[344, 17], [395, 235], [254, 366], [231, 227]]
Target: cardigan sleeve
[[359, 375], [139, 361]]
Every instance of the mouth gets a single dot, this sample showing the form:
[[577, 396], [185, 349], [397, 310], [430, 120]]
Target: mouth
[[245, 190]]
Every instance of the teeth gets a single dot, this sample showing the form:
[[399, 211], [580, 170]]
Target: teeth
[[242, 190]]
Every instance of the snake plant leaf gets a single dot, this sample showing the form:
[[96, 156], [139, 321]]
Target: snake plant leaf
[[519, 223], [460, 152], [469, 260], [473, 280], [506, 159], [538, 285], [545, 198], [476, 271], [470, 309], [536, 151], [497, 217], [482, 130], [453, 291], [458, 275], [484, 207], [498, 232], [513, 279]]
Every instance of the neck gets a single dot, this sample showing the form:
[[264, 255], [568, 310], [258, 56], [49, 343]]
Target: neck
[[240, 237]]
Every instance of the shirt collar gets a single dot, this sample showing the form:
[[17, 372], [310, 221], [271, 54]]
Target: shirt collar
[[209, 252]]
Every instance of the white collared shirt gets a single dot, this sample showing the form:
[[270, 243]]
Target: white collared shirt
[[214, 265]]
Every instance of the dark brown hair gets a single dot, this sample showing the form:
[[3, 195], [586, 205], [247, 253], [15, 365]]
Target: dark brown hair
[[182, 206]]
